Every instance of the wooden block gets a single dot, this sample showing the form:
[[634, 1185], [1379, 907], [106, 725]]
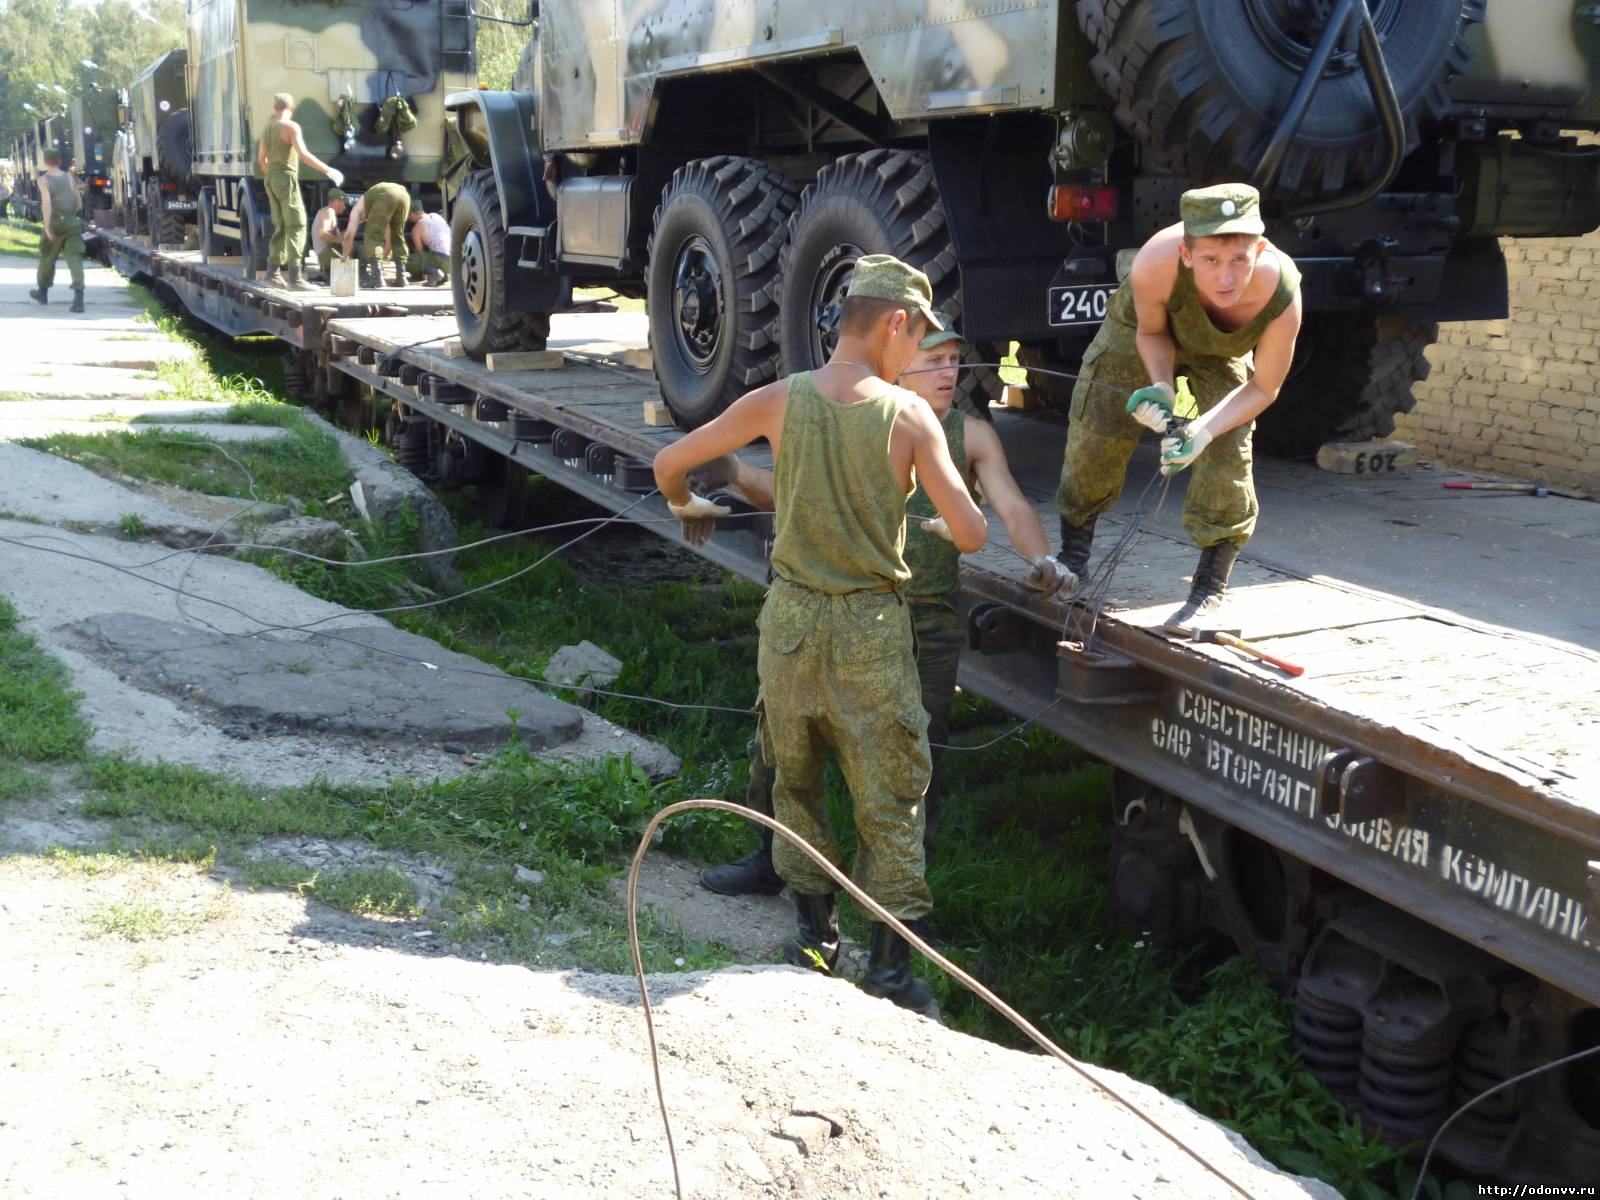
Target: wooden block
[[1367, 458], [452, 349], [525, 360], [657, 415], [1020, 398], [639, 360]]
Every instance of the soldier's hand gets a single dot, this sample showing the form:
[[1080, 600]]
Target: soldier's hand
[[337, 176], [1180, 449], [937, 527], [1050, 577], [699, 517], [1152, 406]]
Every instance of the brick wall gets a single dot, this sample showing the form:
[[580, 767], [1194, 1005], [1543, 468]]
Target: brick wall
[[1519, 397]]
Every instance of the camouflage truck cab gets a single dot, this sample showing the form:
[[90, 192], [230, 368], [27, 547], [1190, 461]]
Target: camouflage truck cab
[[341, 60], [731, 160], [156, 185], [93, 124]]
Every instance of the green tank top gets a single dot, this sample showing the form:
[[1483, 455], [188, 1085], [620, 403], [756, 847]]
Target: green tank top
[[935, 563], [63, 196], [1188, 321], [841, 513], [281, 155]]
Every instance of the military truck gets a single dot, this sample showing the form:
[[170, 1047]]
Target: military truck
[[92, 119], [153, 171], [344, 62], [730, 162]]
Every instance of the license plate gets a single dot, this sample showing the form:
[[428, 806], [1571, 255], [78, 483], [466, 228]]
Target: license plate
[[1082, 304]]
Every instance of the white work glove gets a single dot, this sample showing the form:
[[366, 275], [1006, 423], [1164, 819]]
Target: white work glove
[[937, 527], [1180, 449], [1050, 577], [697, 508], [1152, 406], [337, 176]]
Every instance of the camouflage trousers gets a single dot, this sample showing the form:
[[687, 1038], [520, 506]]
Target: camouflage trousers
[[65, 241], [385, 214], [1220, 503], [288, 243], [423, 261], [936, 634], [325, 257], [837, 673]]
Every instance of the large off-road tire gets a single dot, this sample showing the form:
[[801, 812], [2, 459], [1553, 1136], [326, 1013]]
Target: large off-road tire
[[175, 150], [478, 275], [714, 250], [300, 374], [255, 231], [1352, 373], [878, 202], [1202, 85], [165, 228]]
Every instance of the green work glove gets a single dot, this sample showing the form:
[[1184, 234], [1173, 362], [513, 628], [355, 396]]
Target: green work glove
[[1180, 449], [1152, 406]]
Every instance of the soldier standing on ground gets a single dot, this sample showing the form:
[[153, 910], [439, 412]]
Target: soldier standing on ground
[[63, 232], [326, 240], [835, 657], [1202, 297], [935, 575], [430, 246], [283, 146], [383, 207]]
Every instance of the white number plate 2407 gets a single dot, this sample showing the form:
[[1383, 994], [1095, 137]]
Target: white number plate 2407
[[1083, 304]]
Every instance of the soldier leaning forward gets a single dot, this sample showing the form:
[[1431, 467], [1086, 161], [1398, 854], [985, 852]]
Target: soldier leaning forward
[[835, 653], [63, 230], [383, 208], [283, 146], [1201, 297]]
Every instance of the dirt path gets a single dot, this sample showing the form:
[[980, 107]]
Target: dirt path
[[260, 1044]]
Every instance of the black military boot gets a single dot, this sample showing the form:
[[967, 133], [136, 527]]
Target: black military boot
[[1075, 543], [435, 277], [752, 875], [42, 295], [274, 276], [1205, 593], [818, 938], [398, 276], [77, 300], [889, 973], [297, 280], [371, 274]]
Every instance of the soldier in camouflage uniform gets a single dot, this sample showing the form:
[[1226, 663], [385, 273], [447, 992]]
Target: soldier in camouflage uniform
[[935, 566], [383, 207], [63, 230], [326, 239], [1203, 296], [283, 147], [835, 657]]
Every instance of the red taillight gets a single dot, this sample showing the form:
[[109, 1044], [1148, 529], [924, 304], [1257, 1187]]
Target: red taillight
[[169, 187], [1083, 202], [102, 183]]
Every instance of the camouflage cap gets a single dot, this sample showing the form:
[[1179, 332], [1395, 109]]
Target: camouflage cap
[[337, 194], [944, 332], [416, 206], [1222, 209], [884, 277], [282, 100]]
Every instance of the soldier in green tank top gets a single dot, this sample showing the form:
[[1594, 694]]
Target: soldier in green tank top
[[935, 566], [282, 149], [1211, 299], [62, 236], [835, 653]]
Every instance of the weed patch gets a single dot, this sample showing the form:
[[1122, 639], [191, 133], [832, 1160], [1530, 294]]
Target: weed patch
[[39, 719]]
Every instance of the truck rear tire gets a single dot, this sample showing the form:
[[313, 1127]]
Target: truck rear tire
[[1201, 85], [478, 276], [877, 202], [1353, 372], [175, 150], [166, 228], [713, 258], [255, 232]]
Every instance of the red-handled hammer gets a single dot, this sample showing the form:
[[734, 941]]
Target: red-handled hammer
[[1231, 639]]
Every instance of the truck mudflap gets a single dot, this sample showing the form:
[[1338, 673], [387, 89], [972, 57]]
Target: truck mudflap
[[499, 129]]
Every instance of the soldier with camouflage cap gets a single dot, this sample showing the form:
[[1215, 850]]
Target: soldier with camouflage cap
[[283, 146], [326, 239], [1202, 297], [835, 657]]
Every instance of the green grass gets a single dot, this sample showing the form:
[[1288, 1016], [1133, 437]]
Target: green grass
[[19, 237], [366, 891], [39, 721]]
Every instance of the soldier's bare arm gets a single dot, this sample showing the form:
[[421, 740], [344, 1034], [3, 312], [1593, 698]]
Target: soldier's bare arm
[[1273, 355], [357, 212], [988, 460], [757, 414], [936, 472], [293, 135], [1155, 270]]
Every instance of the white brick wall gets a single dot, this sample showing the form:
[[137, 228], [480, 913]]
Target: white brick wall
[[1519, 397]]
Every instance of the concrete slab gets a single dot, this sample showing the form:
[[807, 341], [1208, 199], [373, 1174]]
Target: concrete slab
[[375, 682], [41, 487], [214, 431], [50, 381], [35, 418]]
